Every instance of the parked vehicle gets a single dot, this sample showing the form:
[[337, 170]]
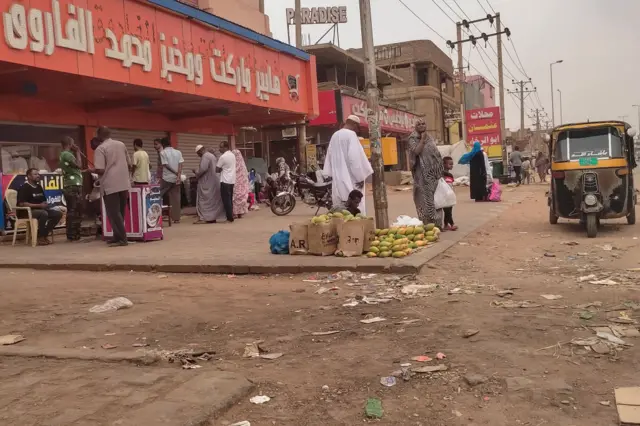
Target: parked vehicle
[[309, 190], [592, 173]]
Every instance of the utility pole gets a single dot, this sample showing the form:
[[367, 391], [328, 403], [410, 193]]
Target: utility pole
[[298, 23], [536, 117], [473, 39], [463, 109], [373, 117], [521, 94], [505, 159]]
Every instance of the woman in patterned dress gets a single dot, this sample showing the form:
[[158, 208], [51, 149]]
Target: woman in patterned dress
[[427, 169], [241, 188]]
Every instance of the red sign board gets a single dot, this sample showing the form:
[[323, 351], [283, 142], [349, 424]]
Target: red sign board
[[391, 120], [328, 111], [483, 125]]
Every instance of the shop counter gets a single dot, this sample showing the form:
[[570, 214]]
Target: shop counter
[[142, 216]]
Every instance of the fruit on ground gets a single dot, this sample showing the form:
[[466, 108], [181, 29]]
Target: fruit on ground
[[430, 226], [384, 254], [372, 254], [374, 249], [399, 254]]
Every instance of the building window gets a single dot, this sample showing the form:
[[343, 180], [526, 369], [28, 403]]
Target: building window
[[387, 52], [422, 76]]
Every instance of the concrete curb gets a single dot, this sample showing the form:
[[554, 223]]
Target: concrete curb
[[78, 354], [305, 264]]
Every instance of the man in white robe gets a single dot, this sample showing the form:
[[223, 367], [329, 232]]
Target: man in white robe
[[347, 163]]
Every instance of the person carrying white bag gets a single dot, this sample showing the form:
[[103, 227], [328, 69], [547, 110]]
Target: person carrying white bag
[[445, 197]]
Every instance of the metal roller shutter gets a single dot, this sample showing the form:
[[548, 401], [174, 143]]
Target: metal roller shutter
[[127, 136], [187, 143]]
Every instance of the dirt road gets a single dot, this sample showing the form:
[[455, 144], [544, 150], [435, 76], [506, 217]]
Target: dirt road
[[522, 365]]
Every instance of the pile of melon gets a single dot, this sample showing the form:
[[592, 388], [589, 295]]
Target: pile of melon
[[402, 241]]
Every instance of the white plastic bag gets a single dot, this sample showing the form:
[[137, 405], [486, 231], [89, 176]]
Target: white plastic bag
[[444, 196], [407, 221], [112, 305]]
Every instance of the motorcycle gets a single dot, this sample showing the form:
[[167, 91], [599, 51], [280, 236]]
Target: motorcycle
[[304, 186]]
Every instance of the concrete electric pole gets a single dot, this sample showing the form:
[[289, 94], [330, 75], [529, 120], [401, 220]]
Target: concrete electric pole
[[373, 117], [302, 126], [473, 39], [463, 107], [521, 94], [538, 137], [298, 23], [553, 110]]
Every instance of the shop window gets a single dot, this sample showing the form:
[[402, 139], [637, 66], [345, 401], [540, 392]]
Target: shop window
[[18, 157]]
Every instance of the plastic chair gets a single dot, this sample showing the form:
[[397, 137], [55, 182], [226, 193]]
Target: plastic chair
[[30, 223]]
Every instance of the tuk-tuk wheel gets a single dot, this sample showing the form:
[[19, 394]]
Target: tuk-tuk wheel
[[631, 217], [553, 219], [592, 225]]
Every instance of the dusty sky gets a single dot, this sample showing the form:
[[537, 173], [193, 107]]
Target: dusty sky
[[597, 39]]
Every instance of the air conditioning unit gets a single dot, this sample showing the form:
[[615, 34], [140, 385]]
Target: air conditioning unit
[[290, 132]]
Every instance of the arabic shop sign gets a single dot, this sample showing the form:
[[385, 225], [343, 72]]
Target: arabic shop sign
[[484, 125], [131, 42], [319, 15], [391, 120]]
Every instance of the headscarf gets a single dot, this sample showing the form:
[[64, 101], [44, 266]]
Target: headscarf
[[241, 167], [466, 158]]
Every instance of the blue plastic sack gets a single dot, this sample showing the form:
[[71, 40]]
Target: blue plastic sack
[[279, 242]]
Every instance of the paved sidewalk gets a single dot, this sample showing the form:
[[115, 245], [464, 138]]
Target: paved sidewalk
[[242, 247], [57, 393]]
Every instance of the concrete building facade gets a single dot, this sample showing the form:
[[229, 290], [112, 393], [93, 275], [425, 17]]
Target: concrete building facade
[[427, 81], [248, 13], [486, 89]]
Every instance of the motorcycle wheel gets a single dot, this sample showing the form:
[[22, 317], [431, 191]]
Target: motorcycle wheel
[[283, 204]]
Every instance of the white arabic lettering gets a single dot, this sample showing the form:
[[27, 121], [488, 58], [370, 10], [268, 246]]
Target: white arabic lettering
[[267, 84], [126, 53], [45, 29]]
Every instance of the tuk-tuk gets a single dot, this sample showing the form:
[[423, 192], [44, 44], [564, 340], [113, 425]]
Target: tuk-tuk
[[592, 173]]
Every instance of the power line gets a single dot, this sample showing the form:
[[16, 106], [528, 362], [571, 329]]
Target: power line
[[421, 20], [483, 9], [490, 7], [451, 9]]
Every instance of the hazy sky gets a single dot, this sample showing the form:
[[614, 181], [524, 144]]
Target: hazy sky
[[598, 40]]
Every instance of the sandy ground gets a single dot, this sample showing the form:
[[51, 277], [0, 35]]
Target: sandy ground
[[532, 375]]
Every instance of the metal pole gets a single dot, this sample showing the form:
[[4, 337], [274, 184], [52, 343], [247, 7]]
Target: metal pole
[[501, 84], [561, 119], [463, 112], [553, 110], [522, 110], [298, 21], [373, 117]]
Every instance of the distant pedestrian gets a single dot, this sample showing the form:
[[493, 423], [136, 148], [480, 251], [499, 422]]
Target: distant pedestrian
[[526, 171], [170, 174], [227, 168], [71, 187], [209, 202], [448, 224], [256, 180], [541, 166], [241, 187], [140, 172], [516, 162], [112, 164]]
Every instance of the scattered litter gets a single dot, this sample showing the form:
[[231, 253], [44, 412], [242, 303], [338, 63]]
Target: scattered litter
[[601, 348], [351, 304], [503, 293], [421, 358], [515, 304], [112, 305], [610, 338], [162, 276], [325, 388], [523, 232], [242, 423], [373, 408], [587, 278], [586, 315], [440, 355], [633, 269], [595, 304], [628, 405], [272, 356], [605, 403], [388, 381], [551, 296], [11, 339], [372, 320], [405, 371], [323, 290], [325, 333], [109, 346], [607, 247], [589, 341], [188, 366], [415, 289], [604, 282], [456, 413], [109, 334], [407, 322], [463, 244], [140, 345], [549, 255], [259, 399], [565, 402], [470, 332], [570, 243], [253, 350], [583, 254], [430, 368]]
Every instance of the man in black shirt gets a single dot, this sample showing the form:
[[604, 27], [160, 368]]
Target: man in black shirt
[[32, 195]]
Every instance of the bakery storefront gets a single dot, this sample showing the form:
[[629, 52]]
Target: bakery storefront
[[145, 69], [334, 108]]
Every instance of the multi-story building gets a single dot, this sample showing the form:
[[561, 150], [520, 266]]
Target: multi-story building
[[487, 93], [248, 13], [427, 81]]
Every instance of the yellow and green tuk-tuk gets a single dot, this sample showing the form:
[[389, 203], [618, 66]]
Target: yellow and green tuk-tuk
[[592, 173]]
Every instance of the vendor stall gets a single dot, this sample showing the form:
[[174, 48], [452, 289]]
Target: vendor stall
[[143, 215]]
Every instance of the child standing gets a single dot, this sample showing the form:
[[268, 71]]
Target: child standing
[[448, 211]]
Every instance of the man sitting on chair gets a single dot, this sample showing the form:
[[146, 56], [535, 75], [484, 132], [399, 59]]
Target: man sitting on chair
[[31, 194]]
